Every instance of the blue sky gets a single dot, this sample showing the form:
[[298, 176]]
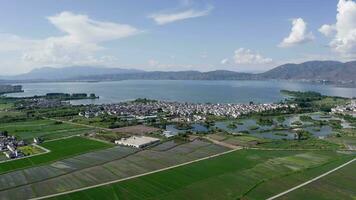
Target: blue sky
[[174, 35]]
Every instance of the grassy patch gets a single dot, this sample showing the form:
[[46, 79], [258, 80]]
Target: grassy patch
[[30, 150], [6, 105], [311, 143]]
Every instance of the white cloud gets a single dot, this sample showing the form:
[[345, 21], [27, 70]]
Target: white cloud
[[298, 34], [156, 65], [80, 28], [344, 31], [165, 18], [247, 57], [79, 45], [225, 61], [327, 30]]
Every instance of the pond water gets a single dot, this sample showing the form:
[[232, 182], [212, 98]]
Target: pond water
[[244, 125], [195, 128]]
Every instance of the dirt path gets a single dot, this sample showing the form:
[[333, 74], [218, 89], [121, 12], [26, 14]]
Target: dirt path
[[224, 144], [312, 180]]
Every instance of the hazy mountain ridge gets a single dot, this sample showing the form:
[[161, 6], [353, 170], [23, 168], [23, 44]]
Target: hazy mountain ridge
[[50, 73], [329, 71], [174, 75]]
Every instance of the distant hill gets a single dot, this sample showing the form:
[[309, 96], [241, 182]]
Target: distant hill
[[50, 73], [330, 71], [179, 75], [319, 71], [325, 71]]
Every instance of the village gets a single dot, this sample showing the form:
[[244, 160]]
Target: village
[[346, 109], [9, 144], [185, 111]]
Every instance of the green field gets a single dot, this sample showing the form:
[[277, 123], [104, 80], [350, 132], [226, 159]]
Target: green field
[[337, 185], [311, 143], [47, 129], [231, 176], [59, 149], [6, 105], [242, 140]]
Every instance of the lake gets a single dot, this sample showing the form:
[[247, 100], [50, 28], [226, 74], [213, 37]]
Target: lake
[[183, 90]]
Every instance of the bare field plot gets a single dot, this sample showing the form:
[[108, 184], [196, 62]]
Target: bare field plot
[[231, 176], [98, 167], [136, 130]]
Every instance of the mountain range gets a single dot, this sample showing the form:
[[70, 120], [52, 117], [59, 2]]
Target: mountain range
[[50, 73], [320, 71]]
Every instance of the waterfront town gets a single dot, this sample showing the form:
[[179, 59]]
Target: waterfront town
[[145, 109]]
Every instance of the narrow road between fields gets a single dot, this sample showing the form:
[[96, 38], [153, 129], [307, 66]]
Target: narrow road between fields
[[132, 177], [312, 180]]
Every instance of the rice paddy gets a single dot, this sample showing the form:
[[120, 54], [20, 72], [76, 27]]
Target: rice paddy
[[235, 175]]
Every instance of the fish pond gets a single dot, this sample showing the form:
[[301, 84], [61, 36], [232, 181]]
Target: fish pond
[[317, 124]]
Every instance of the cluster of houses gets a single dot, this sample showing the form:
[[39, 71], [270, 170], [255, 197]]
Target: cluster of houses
[[9, 145], [346, 109], [186, 111]]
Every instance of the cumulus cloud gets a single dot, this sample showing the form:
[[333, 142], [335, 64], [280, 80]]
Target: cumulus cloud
[[247, 57], [10, 42], [165, 18], [79, 44], [298, 35], [344, 30], [327, 30]]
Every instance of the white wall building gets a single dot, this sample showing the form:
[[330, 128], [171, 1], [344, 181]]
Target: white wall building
[[137, 141]]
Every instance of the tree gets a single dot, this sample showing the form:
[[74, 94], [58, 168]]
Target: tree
[[302, 135]]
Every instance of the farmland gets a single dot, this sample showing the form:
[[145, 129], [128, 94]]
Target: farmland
[[100, 166], [338, 185], [231, 176], [47, 129], [59, 149]]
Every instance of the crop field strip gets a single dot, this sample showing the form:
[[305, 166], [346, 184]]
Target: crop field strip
[[59, 149], [340, 184], [230, 176], [98, 167], [42, 128]]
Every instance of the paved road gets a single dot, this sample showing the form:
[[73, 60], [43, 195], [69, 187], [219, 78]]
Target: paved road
[[132, 177], [312, 180]]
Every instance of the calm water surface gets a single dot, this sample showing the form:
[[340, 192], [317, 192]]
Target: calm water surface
[[183, 90]]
